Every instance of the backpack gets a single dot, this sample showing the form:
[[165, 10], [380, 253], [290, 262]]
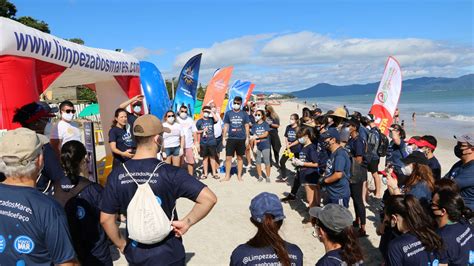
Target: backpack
[[383, 146], [147, 223], [83, 219], [373, 142]]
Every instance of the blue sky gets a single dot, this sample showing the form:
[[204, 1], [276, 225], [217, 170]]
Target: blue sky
[[279, 45]]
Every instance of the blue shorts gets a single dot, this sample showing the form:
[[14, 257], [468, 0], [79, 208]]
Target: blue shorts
[[340, 201], [173, 151]]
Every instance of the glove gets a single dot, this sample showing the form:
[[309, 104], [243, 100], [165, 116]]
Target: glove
[[297, 162]]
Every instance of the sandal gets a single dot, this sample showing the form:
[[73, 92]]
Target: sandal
[[203, 177], [216, 177]]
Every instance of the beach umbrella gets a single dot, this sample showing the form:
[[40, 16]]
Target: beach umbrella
[[92, 109]]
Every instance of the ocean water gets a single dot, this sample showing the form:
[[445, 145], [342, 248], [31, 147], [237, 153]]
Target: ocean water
[[442, 113]]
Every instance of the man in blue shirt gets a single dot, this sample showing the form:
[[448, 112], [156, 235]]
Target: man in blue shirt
[[207, 143], [338, 168], [33, 227], [462, 172], [168, 183], [236, 127]]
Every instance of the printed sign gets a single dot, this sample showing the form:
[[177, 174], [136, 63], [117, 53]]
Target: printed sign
[[89, 140]]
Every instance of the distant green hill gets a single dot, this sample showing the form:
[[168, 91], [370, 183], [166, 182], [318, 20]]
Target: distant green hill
[[418, 84]]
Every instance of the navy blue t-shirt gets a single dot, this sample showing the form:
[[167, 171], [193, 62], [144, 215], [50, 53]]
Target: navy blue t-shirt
[[258, 130], [334, 258], [123, 141], [463, 175], [339, 161], [421, 191], [435, 167], [307, 154], [168, 184], [236, 122], [357, 147], [406, 249], [459, 243], [395, 153], [88, 213], [207, 137], [363, 133], [290, 135], [33, 228], [247, 255], [52, 170], [271, 121]]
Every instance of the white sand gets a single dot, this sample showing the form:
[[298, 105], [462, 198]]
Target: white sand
[[211, 241]]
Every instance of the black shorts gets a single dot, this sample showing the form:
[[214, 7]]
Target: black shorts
[[235, 146], [207, 150], [373, 166]]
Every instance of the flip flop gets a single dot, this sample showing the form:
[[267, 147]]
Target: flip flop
[[203, 177], [216, 177]]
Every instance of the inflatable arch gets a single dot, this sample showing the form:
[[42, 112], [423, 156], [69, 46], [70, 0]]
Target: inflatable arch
[[32, 61]]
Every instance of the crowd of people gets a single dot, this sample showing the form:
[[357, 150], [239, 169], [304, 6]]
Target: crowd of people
[[51, 213]]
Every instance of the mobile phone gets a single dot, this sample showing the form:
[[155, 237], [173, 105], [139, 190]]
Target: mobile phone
[[384, 180]]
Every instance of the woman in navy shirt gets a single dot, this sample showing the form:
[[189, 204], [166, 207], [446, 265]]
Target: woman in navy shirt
[[291, 144], [452, 217], [80, 199], [120, 138], [260, 136], [417, 243]]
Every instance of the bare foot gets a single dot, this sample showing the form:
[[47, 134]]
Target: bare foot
[[240, 179]]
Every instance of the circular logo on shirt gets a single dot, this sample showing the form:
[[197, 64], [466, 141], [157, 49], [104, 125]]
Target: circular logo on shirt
[[3, 243], [436, 262], [80, 212], [23, 244]]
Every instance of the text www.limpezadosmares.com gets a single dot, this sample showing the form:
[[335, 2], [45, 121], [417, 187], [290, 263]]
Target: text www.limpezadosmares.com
[[73, 57]]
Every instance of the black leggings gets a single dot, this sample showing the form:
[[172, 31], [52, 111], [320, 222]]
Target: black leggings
[[357, 198], [283, 170], [296, 184], [276, 144]]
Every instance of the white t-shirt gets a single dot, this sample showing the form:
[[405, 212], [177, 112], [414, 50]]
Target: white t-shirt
[[65, 131], [171, 140], [189, 128], [218, 128]]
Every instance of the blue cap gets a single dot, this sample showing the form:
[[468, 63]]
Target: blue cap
[[331, 133], [266, 203]]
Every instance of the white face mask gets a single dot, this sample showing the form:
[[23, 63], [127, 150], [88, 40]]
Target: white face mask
[[407, 169], [67, 117], [257, 118], [170, 120], [236, 106], [137, 109], [206, 114], [183, 115]]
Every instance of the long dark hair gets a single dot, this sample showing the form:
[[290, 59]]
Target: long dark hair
[[351, 253], [307, 131], [416, 219], [116, 115], [72, 154], [454, 205], [296, 117], [267, 235], [421, 172]]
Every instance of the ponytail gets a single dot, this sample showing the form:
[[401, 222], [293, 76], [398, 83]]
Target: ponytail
[[72, 154], [454, 205], [267, 235]]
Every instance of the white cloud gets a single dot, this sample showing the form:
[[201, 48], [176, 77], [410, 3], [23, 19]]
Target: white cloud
[[143, 53], [298, 60]]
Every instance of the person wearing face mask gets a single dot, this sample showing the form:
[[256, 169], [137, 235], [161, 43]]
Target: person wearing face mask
[[168, 183], [291, 144], [121, 142], [173, 141], [338, 170], [135, 104], [66, 129], [207, 149], [428, 145], [333, 227], [417, 242], [190, 137], [274, 121], [452, 217], [80, 199], [218, 127], [236, 128], [260, 136], [35, 116], [38, 229], [462, 172], [420, 182], [397, 150], [413, 144]]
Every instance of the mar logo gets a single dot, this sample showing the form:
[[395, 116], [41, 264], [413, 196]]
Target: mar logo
[[188, 75], [3, 244], [23, 244], [80, 212]]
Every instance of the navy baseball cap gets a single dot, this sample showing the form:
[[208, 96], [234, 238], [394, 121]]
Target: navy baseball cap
[[331, 133], [266, 203]]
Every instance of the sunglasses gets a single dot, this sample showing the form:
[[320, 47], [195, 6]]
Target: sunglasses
[[170, 116], [237, 102], [183, 112], [70, 111]]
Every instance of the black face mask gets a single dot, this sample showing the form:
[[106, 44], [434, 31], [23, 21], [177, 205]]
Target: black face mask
[[325, 145], [458, 151]]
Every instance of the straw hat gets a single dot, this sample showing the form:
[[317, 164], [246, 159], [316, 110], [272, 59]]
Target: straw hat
[[340, 112]]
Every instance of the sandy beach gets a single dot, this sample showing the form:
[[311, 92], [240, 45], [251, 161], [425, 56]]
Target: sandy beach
[[211, 241]]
